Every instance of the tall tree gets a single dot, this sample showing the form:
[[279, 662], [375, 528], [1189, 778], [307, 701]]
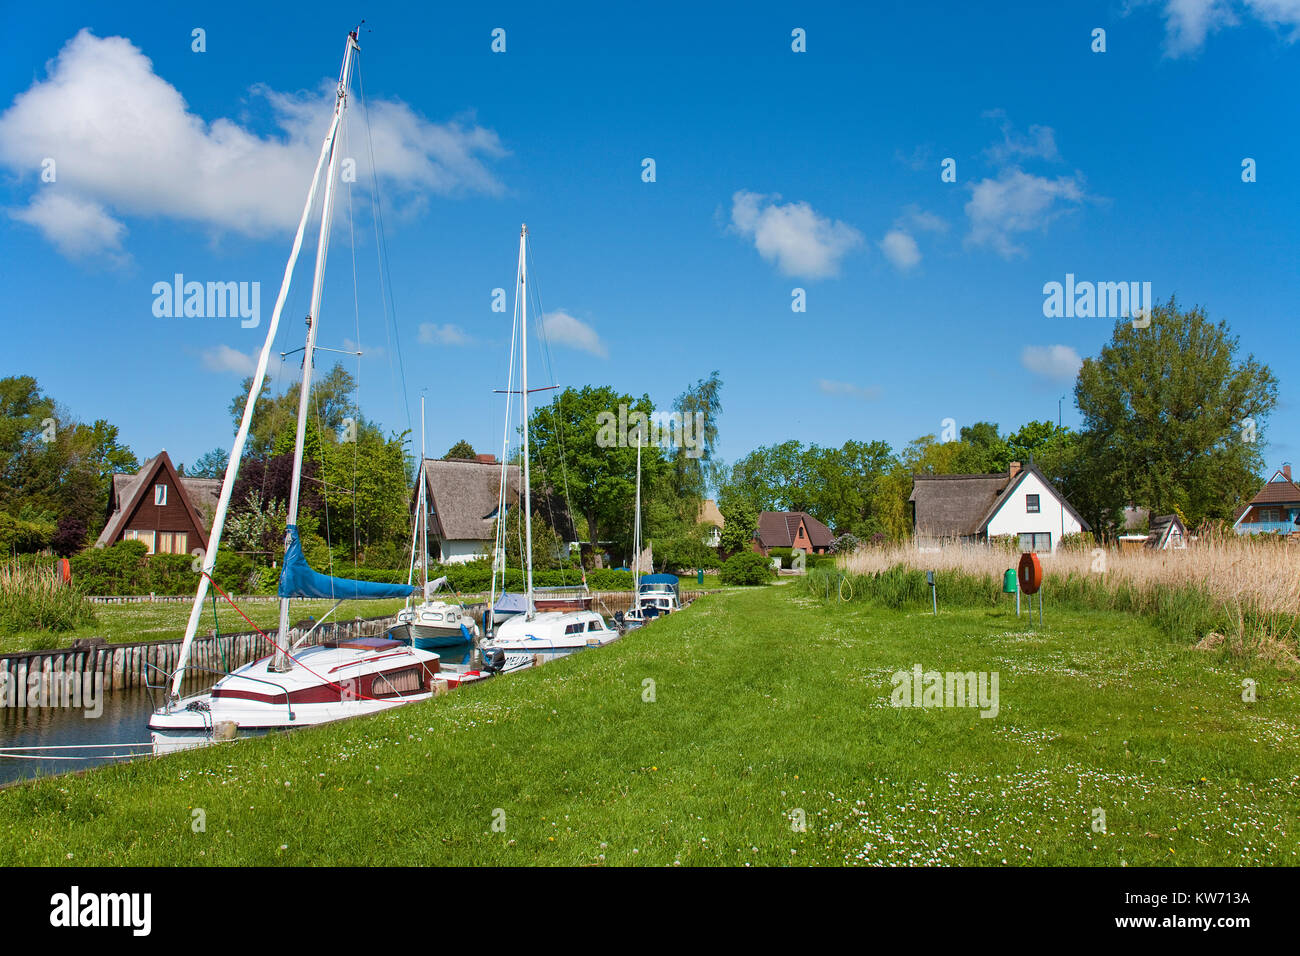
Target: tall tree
[[462, 449], [1175, 415]]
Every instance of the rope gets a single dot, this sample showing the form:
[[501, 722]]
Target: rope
[[230, 601], [216, 631]]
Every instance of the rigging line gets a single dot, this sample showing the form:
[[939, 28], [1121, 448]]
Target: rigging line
[[356, 411], [381, 253], [559, 430], [503, 510]]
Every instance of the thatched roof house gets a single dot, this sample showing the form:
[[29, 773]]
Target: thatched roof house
[[463, 494], [1021, 502]]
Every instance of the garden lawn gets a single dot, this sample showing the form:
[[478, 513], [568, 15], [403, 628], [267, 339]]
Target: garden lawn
[[765, 709], [144, 621]]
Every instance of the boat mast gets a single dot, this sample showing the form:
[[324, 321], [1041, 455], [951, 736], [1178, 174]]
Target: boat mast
[[282, 661], [209, 558], [424, 516], [636, 535], [523, 398]]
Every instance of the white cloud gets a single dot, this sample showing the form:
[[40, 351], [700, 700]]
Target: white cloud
[[563, 329], [866, 392], [900, 249], [800, 242], [78, 228], [916, 217], [223, 358], [125, 143], [431, 334], [1039, 143], [1189, 23], [1017, 202], [1057, 362]]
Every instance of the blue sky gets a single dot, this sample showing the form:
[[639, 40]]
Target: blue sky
[[775, 170]]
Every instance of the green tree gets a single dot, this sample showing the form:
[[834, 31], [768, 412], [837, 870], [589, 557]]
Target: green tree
[[1175, 416], [211, 464], [739, 522], [462, 449], [569, 440]]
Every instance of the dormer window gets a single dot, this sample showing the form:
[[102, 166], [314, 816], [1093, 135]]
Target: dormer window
[[1031, 504], [160, 495]]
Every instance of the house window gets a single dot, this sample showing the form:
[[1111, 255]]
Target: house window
[[1040, 541], [146, 536], [172, 542], [160, 495], [1031, 504], [1270, 514]]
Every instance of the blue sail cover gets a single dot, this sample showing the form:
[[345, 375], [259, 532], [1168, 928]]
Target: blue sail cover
[[298, 580]]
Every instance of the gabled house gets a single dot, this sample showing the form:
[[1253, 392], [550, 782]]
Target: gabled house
[[977, 507], [711, 516], [1168, 533], [1275, 508], [791, 529], [171, 514], [462, 496]]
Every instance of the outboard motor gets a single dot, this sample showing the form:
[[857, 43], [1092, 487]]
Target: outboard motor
[[494, 660]]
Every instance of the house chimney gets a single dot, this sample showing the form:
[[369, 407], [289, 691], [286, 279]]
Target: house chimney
[[1013, 469], [1286, 470]]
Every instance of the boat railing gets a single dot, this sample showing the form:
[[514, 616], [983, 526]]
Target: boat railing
[[208, 670]]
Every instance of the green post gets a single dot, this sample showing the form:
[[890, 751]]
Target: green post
[[699, 576]]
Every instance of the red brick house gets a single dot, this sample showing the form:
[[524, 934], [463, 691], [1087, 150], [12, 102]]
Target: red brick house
[[791, 529], [169, 513]]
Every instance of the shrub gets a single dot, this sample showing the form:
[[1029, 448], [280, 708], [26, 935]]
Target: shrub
[[746, 568], [846, 544], [23, 537], [32, 598]]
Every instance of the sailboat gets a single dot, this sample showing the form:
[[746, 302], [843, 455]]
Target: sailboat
[[534, 635], [652, 594], [433, 623], [299, 685]]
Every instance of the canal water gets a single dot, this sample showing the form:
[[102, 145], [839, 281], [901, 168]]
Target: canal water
[[123, 720]]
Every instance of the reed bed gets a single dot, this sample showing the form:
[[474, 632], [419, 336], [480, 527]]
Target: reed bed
[[1238, 591], [32, 598]]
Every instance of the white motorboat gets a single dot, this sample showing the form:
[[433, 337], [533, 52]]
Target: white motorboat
[[532, 636]]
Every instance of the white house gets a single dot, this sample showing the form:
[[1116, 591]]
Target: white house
[[462, 495], [976, 507]]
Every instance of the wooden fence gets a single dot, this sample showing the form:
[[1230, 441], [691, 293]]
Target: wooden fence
[[124, 666]]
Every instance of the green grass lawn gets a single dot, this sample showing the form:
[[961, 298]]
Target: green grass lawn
[[765, 706], [124, 623]]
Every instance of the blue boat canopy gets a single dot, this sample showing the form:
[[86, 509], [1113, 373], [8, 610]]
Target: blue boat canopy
[[511, 603], [298, 579], [660, 579]]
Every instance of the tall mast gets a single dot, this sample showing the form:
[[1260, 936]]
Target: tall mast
[[209, 558], [523, 397], [636, 534], [424, 513], [282, 662]]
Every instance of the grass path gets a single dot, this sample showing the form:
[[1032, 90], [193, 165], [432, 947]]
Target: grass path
[[764, 705]]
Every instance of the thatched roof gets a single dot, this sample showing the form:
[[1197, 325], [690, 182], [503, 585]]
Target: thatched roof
[[953, 506], [1162, 527], [957, 506], [463, 494], [709, 514]]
